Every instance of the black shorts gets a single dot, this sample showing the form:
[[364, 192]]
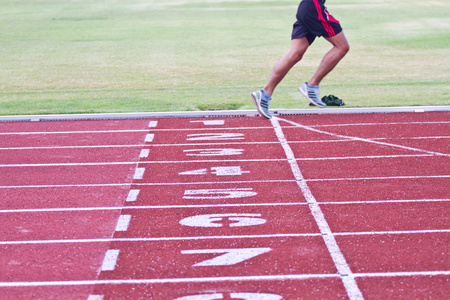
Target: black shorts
[[313, 20]]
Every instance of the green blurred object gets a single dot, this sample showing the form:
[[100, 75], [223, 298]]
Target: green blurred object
[[331, 100]]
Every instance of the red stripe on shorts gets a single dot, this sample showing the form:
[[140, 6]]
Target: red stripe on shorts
[[325, 23]]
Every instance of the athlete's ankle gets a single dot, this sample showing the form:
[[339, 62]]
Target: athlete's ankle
[[312, 85], [266, 94]]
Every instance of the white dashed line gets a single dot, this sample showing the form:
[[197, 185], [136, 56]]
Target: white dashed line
[[149, 138], [132, 195], [139, 173], [123, 223], [153, 124], [110, 260], [144, 153]]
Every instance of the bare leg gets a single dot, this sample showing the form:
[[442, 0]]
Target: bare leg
[[285, 64], [332, 58]]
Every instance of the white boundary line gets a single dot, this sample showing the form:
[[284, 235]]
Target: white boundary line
[[143, 162], [73, 132], [73, 147], [129, 131], [199, 129], [339, 260], [218, 182], [215, 279], [222, 237], [384, 123], [212, 144], [78, 209]]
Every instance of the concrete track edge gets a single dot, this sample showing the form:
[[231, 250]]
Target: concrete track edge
[[218, 113]]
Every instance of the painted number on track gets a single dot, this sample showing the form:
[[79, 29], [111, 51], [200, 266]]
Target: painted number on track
[[215, 136], [213, 152], [210, 122], [218, 220], [218, 171], [240, 296], [229, 257], [219, 193]]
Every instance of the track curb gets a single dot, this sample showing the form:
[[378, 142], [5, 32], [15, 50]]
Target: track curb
[[218, 113]]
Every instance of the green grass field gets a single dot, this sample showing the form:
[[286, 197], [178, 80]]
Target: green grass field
[[170, 55]]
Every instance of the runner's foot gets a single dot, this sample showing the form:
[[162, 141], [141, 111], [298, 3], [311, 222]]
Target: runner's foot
[[312, 93], [262, 103]]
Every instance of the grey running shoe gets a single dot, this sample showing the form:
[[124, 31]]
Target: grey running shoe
[[312, 94], [262, 104]]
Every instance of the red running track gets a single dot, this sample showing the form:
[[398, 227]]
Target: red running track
[[300, 207]]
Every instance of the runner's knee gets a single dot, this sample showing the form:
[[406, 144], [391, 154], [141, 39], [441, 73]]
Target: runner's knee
[[344, 48], [295, 56]]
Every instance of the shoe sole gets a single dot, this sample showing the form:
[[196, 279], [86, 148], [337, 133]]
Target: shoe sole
[[258, 106], [309, 99]]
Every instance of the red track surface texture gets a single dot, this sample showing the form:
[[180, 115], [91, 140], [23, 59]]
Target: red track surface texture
[[243, 208]]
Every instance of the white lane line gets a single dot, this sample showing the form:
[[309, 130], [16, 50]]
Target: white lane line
[[428, 231], [363, 139], [110, 260], [220, 237], [73, 132], [134, 184], [149, 138], [132, 195], [66, 185], [133, 162], [77, 209], [216, 182], [403, 274], [158, 239], [378, 178], [144, 153], [95, 297], [414, 138], [339, 260], [209, 128], [205, 144], [227, 143], [385, 201], [214, 279], [123, 222], [168, 280], [69, 164], [139, 173], [377, 124], [41, 210], [74, 147]]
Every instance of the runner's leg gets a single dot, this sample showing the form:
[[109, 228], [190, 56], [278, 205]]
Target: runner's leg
[[282, 67], [332, 58]]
